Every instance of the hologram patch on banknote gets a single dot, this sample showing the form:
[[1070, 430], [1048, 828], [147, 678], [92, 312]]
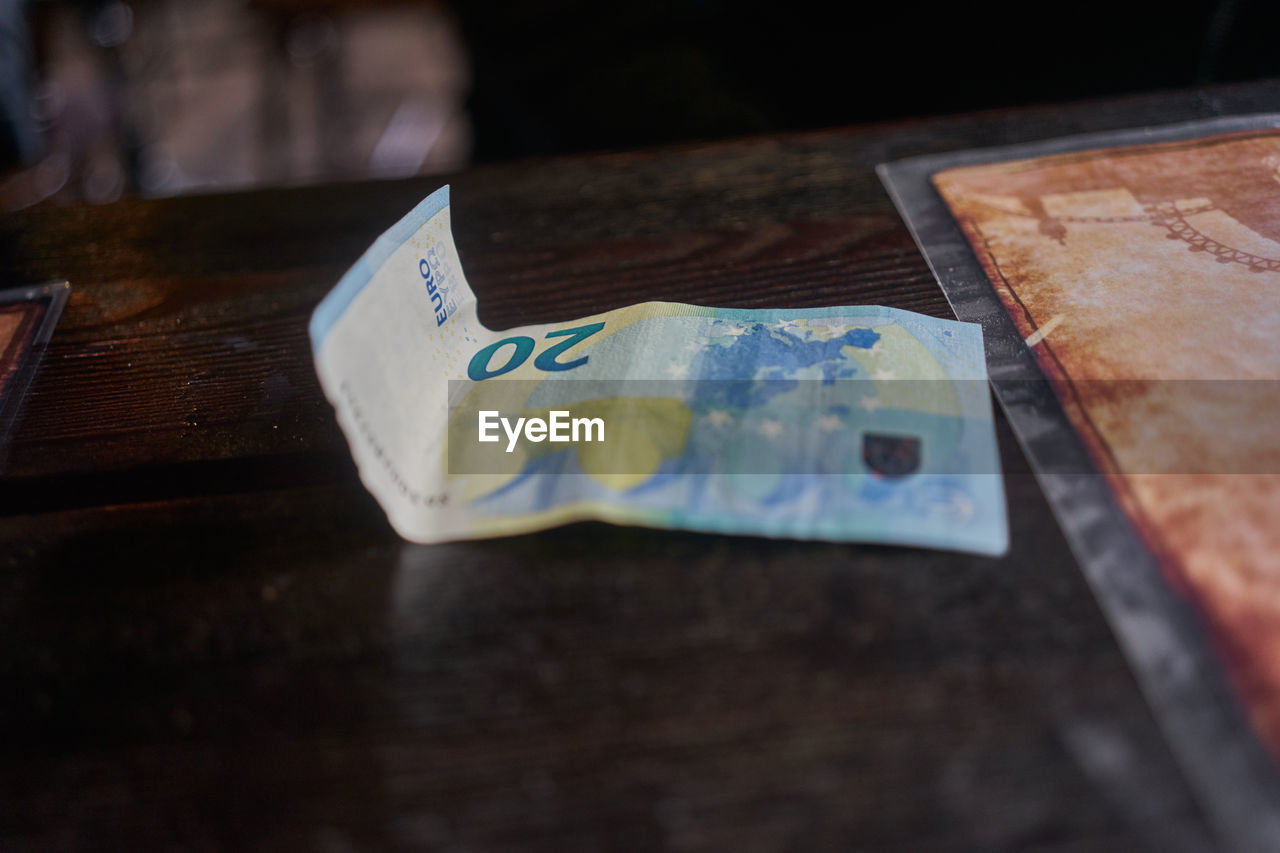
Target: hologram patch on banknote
[[842, 424]]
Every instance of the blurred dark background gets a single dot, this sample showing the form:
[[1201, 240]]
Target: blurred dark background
[[555, 76], [162, 97]]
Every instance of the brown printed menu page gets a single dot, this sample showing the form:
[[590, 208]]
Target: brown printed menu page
[[1146, 280]]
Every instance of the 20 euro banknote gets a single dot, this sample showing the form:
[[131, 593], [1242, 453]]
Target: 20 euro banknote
[[851, 423]]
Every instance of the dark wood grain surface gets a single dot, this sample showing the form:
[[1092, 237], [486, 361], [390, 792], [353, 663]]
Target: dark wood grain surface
[[211, 639]]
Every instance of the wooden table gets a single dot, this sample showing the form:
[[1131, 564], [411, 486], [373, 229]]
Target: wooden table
[[209, 636]]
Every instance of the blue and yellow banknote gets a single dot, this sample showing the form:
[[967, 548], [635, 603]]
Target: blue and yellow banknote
[[844, 424]]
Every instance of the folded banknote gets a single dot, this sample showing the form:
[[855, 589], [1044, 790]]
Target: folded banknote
[[844, 424]]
